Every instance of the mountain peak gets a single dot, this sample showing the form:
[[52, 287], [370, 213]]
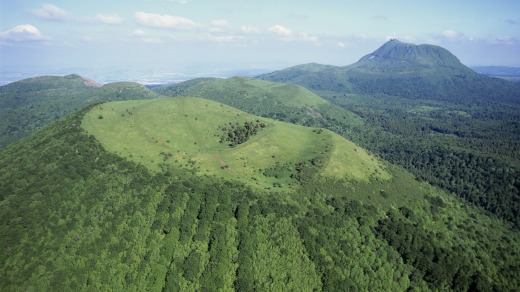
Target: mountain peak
[[395, 51]]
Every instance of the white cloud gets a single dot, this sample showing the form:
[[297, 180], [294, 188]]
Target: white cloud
[[451, 34], [219, 25], [51, 12], [142, 36], [248, 29], [54, 13], [139, 32], [152, 40], [108, 18], [407, 38], [165, 21], [341, 44], [506, 40], [224, 38], [182, 2], [91, 38], [309, 38], [281, 30], [287, 34], [23, 33]]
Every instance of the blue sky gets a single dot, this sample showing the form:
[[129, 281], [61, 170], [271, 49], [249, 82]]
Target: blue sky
[[233, 34]]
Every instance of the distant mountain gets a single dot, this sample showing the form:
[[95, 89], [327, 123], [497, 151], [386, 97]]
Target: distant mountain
[[497, 71], [507, 73], [405, 70], [72, 81], [396, 56], [29, 104]]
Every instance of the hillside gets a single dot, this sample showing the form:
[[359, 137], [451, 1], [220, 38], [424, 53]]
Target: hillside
[[316, 77], [424, 72], [424, 110], [262, 98], [29, 104], [278, 101], [191, 133], [80, 212]]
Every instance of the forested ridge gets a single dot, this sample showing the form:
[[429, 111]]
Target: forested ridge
[[469, 151], [30, 104], [74, 216], [422, 109]]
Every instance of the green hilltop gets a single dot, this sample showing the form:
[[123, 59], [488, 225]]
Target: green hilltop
[[191, 133], [259, 97], [30, 104], [263, 92], [278, 101]]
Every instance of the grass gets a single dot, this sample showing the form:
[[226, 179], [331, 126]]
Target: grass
[[186, 131], [289, 95], [348, 161]]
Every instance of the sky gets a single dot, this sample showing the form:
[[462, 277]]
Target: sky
[[119, 39]]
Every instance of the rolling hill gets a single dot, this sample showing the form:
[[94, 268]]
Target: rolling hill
[[424, 110], [29, 104], [192, 132], [262, 98], [278, 101], [129, 196]]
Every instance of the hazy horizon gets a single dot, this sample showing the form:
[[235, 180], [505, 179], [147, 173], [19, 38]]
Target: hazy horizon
[[154, 40]]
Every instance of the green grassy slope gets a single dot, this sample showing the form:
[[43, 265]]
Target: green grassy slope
[[29, 104], [278, 94], [76, 216], [187, 132], [267, 99]]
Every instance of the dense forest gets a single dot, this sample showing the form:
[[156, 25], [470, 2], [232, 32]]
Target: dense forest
[[470, 151], [74, 216], [430, 114]]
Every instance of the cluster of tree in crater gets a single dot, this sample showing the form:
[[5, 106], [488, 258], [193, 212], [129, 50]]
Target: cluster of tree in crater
[[237, 133]]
